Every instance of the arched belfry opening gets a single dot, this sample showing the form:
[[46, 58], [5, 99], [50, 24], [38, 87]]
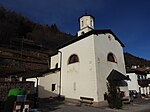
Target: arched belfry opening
[[86, 24]]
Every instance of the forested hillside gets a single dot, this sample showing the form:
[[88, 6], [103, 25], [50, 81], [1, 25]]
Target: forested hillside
[[134, 60], [14, 26], [25, 46]]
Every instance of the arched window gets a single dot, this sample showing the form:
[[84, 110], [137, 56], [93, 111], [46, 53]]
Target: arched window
[[73, 59], [111, 57], [91, 23]]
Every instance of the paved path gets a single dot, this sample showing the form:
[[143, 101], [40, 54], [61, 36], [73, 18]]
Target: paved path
[[136, 106]]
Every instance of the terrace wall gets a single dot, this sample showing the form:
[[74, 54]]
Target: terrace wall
[[6, 86]]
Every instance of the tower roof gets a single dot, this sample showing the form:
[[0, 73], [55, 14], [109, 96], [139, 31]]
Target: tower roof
[[86, 15]]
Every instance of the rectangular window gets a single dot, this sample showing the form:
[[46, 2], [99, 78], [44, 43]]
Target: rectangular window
[[53, 87], [74, 86]]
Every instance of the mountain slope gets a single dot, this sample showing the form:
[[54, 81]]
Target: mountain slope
[[25, 46], [134, 60], [13, 25]]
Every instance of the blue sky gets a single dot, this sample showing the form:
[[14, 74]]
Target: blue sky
[[128, 19]]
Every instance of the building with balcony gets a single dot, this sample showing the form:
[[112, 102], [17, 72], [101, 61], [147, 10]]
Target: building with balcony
[[140, 79]]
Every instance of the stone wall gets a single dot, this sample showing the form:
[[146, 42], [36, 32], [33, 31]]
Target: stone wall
[[6, 86]]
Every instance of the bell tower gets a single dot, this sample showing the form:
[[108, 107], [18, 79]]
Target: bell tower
[[86, 23]]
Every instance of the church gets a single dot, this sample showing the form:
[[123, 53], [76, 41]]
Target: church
[[81, 66]]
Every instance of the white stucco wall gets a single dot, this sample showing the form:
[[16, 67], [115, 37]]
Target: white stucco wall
[[133, 84], [86, 21], [148, 76], [54, 60], [83, 31], [104, 46], [34, 80], [45, 86], [79, 79]]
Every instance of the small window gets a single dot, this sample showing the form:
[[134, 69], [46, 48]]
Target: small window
[[73, 59], [82, 33], [82, 23], [53, 87], [111, 57], [91, 23]]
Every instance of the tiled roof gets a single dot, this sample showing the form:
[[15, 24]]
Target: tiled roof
[[139, 70]]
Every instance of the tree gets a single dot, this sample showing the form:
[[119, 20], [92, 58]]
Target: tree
[[114, 97]]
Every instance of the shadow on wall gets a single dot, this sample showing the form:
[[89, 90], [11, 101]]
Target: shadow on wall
[[48, 101], [43, 93]]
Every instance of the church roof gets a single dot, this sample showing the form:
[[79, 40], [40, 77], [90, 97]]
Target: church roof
[[96, 32]]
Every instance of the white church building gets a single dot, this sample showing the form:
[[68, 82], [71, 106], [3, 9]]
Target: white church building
[[82, 65]]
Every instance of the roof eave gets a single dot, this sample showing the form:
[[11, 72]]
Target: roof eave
[[96, 32]]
